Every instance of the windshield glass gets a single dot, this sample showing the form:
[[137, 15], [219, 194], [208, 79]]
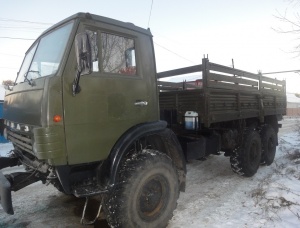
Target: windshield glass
[[45, 56]]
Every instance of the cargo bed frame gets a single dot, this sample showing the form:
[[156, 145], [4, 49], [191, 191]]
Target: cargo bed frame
[[226, 94]]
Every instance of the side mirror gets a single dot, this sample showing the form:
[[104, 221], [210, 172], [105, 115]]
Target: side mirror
[[83, 51]]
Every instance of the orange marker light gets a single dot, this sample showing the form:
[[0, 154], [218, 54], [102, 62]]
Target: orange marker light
[[57, 118]]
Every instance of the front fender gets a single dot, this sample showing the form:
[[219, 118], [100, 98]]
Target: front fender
[[108, 170]]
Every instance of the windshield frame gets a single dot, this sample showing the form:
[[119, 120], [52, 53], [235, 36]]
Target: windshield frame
[[74, 24]]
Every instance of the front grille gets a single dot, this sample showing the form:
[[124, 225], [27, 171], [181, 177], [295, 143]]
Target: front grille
[[20, 140]]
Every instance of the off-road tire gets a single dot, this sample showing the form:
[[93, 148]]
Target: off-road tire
[[246, 158], [268, 144], [146, 194]]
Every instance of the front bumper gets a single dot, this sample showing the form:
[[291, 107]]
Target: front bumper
[[5, 195]]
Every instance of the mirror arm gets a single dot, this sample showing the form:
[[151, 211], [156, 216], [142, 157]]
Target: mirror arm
[[75, 86]]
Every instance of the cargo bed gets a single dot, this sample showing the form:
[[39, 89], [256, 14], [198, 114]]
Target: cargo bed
[[223, 94]]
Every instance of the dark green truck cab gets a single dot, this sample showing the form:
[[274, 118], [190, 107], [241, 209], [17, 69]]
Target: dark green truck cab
[[84, 116]]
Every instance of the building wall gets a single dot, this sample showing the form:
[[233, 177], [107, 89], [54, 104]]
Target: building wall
[[293, 105], [293, 111]]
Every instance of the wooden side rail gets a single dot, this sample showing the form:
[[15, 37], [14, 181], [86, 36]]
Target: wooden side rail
[[222, 77]]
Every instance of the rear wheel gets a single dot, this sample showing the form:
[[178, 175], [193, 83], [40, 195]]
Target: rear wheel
[[245, 159], [268, 143], [146, 194]]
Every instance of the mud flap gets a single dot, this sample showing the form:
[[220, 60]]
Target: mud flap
[[5, 195]]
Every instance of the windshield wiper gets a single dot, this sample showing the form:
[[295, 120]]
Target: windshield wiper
[[30, 81], [35, 71]]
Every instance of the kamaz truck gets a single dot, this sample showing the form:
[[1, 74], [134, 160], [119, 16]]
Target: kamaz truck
[[90, 115]]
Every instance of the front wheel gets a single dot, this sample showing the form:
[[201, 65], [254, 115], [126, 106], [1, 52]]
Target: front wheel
[[146, 194]]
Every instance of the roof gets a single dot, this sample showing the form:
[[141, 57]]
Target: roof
[[291, 98], [106, 20]]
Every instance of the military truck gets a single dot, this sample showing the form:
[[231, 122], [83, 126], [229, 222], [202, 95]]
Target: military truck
[[90, 115]]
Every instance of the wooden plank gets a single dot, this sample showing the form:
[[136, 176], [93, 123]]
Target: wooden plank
[[232, 115], [218, 77], [272, 92], [177, 86], [164, 88], [172, 84], [272, 80], [271, 86], [229, 70], [230, 86], [190, 86], [272, 111], [180, 71]]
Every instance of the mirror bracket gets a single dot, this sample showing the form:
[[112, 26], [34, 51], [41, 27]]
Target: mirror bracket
[[75, 86]]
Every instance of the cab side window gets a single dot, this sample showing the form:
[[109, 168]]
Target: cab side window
[[118, 54]]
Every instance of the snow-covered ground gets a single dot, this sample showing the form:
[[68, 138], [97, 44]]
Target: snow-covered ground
[[214, 197]]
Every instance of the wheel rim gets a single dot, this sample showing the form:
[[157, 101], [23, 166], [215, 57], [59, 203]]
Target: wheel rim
[[153, 197]]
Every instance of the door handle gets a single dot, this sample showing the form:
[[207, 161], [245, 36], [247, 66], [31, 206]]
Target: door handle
[[141, 103]]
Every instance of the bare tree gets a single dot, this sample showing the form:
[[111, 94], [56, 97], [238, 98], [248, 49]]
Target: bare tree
[[113, 52], [7, 83], [292, 22]]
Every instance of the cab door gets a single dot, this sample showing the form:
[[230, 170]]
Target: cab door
[[116, 96]]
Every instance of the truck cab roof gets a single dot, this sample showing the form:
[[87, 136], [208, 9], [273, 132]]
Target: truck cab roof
[[106, 20]]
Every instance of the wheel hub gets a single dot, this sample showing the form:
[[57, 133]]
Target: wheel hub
[[152, 199]]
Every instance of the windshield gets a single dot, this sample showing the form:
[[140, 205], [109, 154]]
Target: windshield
[[45, 56]]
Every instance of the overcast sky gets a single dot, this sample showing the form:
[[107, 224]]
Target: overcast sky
[[183, 31]]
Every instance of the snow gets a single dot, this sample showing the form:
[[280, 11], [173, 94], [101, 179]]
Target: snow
[[5, 148], [214, 197]]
